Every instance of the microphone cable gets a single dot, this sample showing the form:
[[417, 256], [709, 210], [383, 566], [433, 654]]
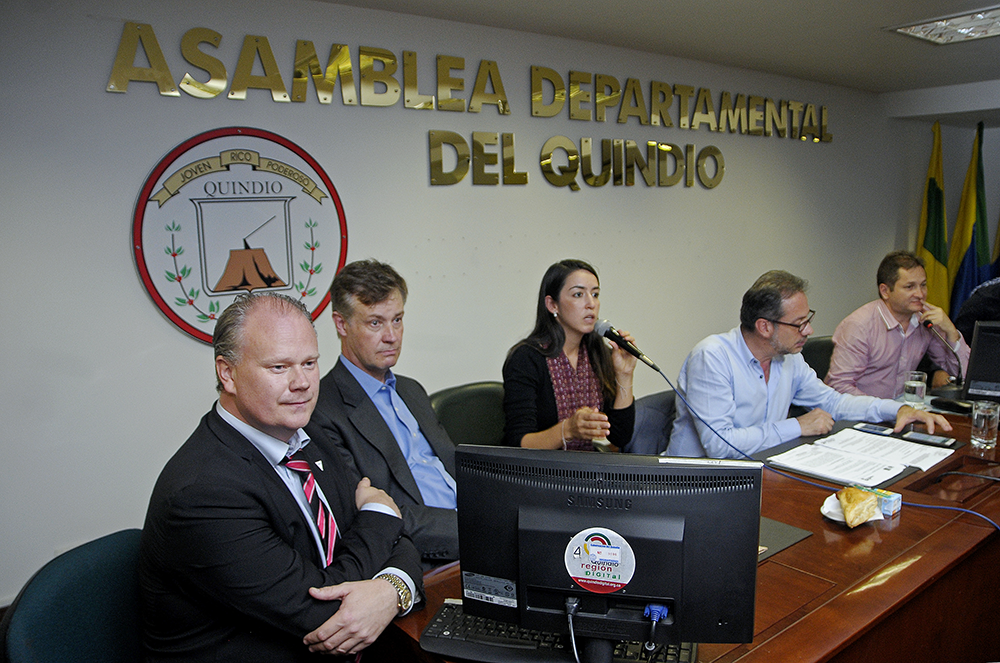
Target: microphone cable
[[959, 380]]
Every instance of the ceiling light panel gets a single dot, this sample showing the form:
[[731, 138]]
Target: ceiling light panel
[[949, 30]]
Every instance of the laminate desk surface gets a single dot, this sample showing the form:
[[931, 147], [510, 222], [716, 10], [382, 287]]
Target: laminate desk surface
[[923, 585]]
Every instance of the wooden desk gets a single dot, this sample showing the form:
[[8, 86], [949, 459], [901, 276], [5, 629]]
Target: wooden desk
[[924, 585]]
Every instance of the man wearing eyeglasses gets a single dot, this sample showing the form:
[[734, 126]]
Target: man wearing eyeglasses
[[742, 382], [877, 344]]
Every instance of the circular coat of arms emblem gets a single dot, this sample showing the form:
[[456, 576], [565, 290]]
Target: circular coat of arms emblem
[[231, 211]]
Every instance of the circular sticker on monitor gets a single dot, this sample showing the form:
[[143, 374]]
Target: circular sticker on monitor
[[600, 560]]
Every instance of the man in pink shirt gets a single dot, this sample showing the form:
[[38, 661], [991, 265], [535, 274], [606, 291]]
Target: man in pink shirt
[[877, 344]]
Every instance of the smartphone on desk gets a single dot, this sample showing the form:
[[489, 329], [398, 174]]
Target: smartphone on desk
[[927, 438], [872, 428]]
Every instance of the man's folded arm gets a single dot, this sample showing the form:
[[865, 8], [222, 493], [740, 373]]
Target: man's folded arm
[[434, 529], [223, 542]]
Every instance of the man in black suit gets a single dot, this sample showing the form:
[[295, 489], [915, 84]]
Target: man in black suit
[[233, 565], [982, 305], [385, 421]]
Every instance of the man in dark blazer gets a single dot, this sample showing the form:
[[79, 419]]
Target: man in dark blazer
[[982, 305], [385, 421], [232, 563]]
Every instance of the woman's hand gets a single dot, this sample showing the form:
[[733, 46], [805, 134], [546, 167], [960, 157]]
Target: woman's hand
[[587, 424], [624, 365], [624, 362]]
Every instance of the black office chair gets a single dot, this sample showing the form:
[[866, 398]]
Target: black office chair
[[817, 352], [471, 413], [654, 421], [82, 606]]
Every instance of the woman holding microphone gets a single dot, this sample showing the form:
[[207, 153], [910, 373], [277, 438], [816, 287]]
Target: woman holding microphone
[[565, 387]]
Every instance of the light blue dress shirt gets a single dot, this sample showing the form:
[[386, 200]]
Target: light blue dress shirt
[[437, 487], [725, 384]]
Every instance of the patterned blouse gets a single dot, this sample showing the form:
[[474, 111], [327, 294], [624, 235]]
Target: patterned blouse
[[574, 389]]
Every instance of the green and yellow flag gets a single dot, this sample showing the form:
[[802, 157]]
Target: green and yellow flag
[[932, 240]]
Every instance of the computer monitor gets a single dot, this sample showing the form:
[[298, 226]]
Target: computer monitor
[[982, 379], [613, 533]]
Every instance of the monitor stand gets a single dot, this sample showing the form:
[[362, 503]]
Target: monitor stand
[[597, 650], [952, 391]]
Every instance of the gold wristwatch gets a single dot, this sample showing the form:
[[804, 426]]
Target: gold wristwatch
[[404, 598]]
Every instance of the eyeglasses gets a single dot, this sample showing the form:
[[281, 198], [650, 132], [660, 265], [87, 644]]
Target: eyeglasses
[[801, 326]]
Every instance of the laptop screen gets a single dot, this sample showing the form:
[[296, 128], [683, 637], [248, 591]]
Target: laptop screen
[[982, 381]]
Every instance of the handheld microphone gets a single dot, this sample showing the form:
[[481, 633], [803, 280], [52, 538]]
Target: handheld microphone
[[605, 329], [930, 325]]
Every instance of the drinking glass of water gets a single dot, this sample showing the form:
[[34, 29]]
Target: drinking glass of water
[[984, 424], [914, 389]]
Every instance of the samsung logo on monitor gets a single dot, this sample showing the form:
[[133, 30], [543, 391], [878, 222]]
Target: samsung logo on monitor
[[591, 502]]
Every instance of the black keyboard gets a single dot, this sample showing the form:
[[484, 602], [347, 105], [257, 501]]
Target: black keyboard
[[453, 634]]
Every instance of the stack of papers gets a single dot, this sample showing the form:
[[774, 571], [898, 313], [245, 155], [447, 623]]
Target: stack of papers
[[853, 457]]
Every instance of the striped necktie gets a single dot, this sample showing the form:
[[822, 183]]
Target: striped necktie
[[325, 523]]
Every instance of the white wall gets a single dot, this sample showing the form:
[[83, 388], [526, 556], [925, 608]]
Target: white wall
[[100, 389]]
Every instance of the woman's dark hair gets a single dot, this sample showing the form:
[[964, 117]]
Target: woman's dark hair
[[548, 336]]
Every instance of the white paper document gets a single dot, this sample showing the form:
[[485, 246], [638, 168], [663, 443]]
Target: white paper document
[[851, 456], [837, 466], [886, 449]]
